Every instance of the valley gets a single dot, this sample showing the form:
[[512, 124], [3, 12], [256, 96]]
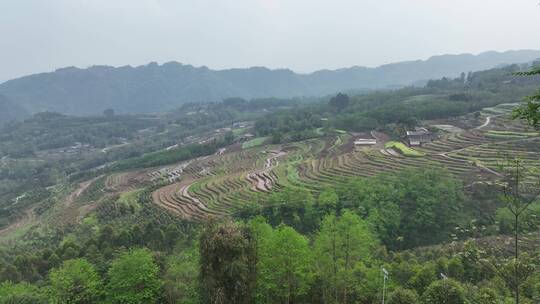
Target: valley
[[417, 173]]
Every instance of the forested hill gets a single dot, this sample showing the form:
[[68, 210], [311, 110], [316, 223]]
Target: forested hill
[[10, 111], [154, 87]]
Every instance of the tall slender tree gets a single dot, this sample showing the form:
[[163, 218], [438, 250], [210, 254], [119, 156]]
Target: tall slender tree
[[520, 188], [228, 263], [341, 243], [285, 265]]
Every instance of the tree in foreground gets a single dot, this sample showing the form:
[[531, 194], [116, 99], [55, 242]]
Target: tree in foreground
[[445, 291], [520, 189], [341, 243], [285, 266], [133, 278], [76, 281], [228, 263], [181, 277]]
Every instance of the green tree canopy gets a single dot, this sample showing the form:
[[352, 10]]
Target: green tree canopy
[[181, 277], [21, 293], [403, 296], [133, 278], [76, 281], [340, 244], [227, 263], [285, 265], [410, 208], [444, 291]]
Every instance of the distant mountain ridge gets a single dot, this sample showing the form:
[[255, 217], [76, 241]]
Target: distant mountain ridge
[[154, 88]]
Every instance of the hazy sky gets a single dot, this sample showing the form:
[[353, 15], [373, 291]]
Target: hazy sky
[[304, 35]]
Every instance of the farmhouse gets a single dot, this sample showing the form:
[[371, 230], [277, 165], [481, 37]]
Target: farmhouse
[[419, 136], [365, 142]]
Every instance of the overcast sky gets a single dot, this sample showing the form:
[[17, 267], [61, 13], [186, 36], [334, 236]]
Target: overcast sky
[[304, 35]]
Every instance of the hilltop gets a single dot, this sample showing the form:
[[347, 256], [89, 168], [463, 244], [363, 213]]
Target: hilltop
[[154, 87]]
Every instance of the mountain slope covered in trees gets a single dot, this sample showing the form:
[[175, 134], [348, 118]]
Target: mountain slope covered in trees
[[154, 87], [10, 111]]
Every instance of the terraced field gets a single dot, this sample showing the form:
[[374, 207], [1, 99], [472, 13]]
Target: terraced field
[[217, 185]]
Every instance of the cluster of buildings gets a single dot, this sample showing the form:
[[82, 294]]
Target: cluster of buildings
[[414, 138]]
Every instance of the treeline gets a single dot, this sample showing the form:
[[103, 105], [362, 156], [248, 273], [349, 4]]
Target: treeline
[[412, 208], [48, 130], [175, 155]]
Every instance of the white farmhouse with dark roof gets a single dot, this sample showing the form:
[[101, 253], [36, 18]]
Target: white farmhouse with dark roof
[[419, 136]]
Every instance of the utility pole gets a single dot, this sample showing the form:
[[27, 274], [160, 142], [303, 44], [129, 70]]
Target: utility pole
[[385, 277]]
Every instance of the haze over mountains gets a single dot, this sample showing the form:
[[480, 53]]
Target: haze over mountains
[[154, 88]]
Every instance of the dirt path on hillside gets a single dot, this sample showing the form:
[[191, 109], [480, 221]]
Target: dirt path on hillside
[[27, 218], [487, 122], [482, 167], [82, 187], [445, 154]]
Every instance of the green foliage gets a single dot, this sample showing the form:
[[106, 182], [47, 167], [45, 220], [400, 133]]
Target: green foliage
[[328, 201], [181, 277], [444, 291], [485, 295], [339, 102], [284, 265], [227, 263], [76, 281], [530, 112], [409, 208], [293, 207], [368, 286], [423, 276], [403, 296], [530, 219], [21, 293], [340, 244], [133, 278]]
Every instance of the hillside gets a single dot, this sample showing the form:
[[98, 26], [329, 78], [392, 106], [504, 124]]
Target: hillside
[[153, 87], [10, 111], [272, 186]]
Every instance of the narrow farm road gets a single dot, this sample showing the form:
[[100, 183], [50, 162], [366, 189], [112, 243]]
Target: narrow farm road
[[487, 122], [27, 218]]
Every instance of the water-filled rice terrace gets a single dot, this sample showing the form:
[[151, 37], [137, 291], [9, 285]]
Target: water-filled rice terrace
[[219, 184]]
